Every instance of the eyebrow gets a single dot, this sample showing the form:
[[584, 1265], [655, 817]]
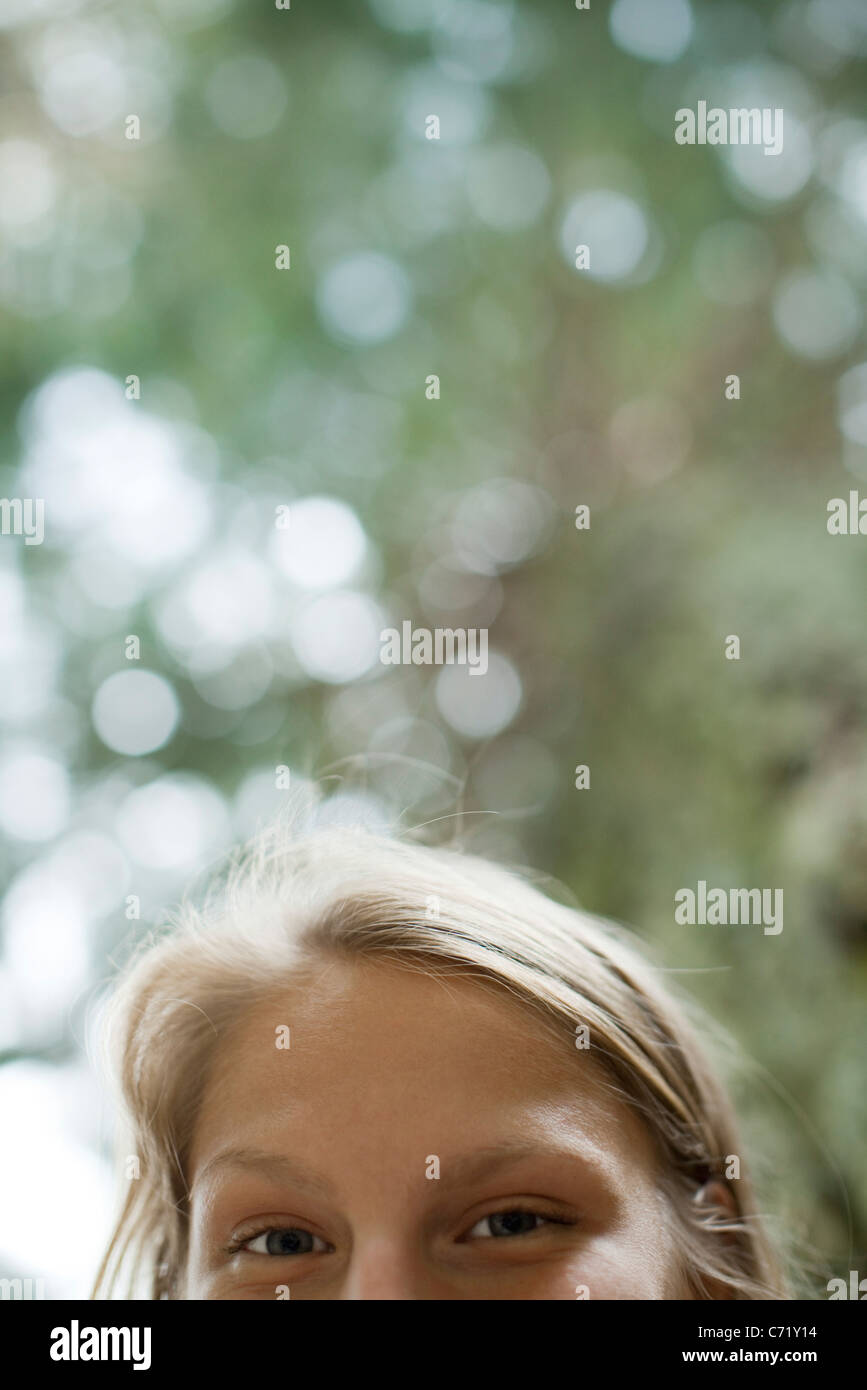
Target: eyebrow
[[463, 1169], [270, 1165], [486, 1162]]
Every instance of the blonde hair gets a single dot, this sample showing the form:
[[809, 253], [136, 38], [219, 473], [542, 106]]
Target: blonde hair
[[351, 891]]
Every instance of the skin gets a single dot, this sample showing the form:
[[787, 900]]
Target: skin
[[388, 1067]]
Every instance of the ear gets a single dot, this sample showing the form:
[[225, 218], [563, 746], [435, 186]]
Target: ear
[[717, 1198]]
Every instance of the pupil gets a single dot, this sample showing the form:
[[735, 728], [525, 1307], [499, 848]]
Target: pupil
[[512, 1223], [289, 1242]]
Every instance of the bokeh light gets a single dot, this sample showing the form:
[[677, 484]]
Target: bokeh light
[[364, 298], [612, 226], [479, 705], [322, 546], [817, 313], [135, 712], [660, 32], [246, 96]]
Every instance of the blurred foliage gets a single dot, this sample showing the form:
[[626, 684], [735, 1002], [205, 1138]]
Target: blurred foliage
[[157, 257]]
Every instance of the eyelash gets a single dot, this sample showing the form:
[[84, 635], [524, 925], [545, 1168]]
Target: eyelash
[[544, 1216], [237, 1246]]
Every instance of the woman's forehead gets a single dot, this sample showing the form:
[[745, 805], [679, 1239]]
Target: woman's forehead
[[366, 1047], [383, 1010]]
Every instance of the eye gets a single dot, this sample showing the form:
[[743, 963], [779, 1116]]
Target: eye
[[511, 1223], [292, 1240]]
